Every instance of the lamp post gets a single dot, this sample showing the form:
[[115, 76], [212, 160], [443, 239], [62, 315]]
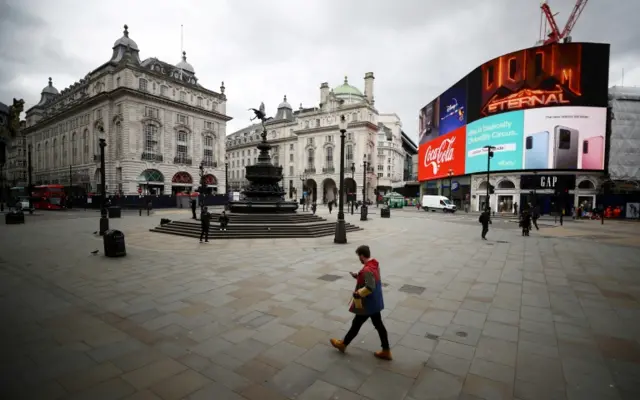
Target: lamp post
[[303, 179], [202, 184], [489, 157], [377, 189], [104, 221], [450, 188], [364, 208], [341, 230], [29, 183], [353, 173], [226, 174]]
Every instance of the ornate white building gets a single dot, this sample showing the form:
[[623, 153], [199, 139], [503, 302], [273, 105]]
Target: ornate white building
[[159, 124], [307, 144]]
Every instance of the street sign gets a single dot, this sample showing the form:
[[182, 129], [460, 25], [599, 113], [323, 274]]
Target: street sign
[[455, 186], [139, 190]]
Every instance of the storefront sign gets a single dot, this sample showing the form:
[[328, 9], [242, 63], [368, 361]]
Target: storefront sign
[[542, 182]]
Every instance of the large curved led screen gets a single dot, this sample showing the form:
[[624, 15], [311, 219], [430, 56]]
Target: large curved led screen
[[541, 108]]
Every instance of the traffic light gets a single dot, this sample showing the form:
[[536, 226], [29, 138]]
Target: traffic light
[[490, 153]]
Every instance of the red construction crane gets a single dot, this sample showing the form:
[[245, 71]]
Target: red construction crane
[[555, 35]]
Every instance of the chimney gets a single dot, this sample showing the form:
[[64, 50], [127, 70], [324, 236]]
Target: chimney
[[324, 92], [368, 87]]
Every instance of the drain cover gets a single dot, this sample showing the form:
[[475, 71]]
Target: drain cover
[[411, 289], [330, 278], [385, 284], [501, 241], [461, 334], [432, 337]]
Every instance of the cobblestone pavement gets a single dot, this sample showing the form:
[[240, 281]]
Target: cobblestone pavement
[[542, 317]]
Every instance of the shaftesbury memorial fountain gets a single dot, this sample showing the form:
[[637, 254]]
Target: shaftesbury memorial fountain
[[263, 195]]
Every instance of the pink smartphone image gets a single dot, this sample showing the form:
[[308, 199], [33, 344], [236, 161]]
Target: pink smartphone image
[[593, 153]]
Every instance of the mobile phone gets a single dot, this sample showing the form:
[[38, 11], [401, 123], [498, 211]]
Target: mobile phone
[[565, 149], [536, 150], [593, 153]]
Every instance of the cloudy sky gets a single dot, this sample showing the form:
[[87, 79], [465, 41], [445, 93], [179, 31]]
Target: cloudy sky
[[263, 50]]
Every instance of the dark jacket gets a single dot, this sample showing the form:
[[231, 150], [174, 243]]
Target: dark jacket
[[224, 219], [205, 219], [485, 218]]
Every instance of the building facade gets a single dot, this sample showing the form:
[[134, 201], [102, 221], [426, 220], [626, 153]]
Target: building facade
[[307, 144], [158, 122]]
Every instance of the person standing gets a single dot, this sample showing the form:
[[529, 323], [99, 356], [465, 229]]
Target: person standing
[[515, 208], [535, 215], [330, 205], [193, 209], [485, 220], [367, 302], [205, 223]]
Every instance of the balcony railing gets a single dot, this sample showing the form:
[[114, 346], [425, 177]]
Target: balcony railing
[[310, 170], [328, 170], [180, 159], [147, 156], [209, 163]]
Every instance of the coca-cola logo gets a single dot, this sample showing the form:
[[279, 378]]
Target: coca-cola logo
[[442, 154]]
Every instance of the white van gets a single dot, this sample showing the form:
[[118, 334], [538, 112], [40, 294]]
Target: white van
[[434, 203]]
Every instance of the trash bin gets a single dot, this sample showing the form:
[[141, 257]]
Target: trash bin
[[114, 244], [14, 217], [363, 212], [385, 212], [114, 212]]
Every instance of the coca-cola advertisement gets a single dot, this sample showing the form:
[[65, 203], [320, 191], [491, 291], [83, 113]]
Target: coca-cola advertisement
[[441, 155]]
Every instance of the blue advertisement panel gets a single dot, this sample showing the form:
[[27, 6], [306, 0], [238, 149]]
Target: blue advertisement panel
[[453, 108], [505, 133]]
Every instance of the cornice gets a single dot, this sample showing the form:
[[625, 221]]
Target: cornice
[[117, 94]]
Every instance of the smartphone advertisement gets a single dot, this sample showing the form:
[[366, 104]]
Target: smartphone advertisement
[[504, 133], [564, 138]]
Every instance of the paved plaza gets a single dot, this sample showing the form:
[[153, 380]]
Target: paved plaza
[[551, 316]]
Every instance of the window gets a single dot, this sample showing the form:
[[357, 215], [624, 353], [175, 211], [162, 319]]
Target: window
[[150, 139], [98, 115], [290, 157], [118, 140], [119, 109], [142, 84], [328, 139], [291, 147], [163, 90], [182, 119], [39, 158], [182, 147], [55, 153], [85, 146], [151, 112], [311, 159], [310, 141], [329, 157], [64, 150], [291, 170], [349, 136], [118, 82], [317, 123], [154, 87], [199, 101], [306, 124], [380, 167], [74, 148], [207, 152], [183, 96], [354, 118], [208, 125], [349, 152]]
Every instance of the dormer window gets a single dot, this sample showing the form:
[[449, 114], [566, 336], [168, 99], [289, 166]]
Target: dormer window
[[183, 96], [142, 84]]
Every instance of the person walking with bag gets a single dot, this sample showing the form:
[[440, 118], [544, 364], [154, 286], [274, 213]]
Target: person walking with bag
[[205, 223], [367, 302], [485, 220]]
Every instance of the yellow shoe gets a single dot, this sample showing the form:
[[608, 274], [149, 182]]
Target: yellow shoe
[[338, 344], [383, 355]]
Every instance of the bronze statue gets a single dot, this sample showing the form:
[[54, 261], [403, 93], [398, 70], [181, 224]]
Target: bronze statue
[[262, 116]]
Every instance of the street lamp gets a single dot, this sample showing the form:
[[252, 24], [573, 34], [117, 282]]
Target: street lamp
[[303, 179], [450, 188], [353, 173], [377, 189], [29, 183], [489, 157], [226, 175], [104, 221], [202, 184], [364, 209], [341, 230]]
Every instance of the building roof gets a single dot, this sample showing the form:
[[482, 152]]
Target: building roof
[[184, 65], [347, 90], [50, 89], [125, 40]]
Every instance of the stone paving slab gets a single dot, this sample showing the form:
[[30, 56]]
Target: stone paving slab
[[509, 318]]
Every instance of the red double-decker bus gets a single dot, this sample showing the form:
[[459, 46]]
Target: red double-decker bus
[[48, 197]]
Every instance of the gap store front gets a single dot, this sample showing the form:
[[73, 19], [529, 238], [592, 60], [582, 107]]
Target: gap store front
[[544, 113]]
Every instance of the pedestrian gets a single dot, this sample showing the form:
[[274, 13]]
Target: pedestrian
[[485, 220], [314, 207], [535, 215], [205, 222], [330, 206], [367, 302], [224, 221], [515, 208], [525, 222], [193, 209]]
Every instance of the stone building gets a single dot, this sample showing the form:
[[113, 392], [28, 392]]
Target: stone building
[[307, 143], [159, 124]]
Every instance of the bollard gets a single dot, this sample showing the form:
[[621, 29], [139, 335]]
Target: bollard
[[148, 212], [140, 212]]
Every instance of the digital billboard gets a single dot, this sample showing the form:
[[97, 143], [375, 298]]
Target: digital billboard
[[441, 155], [541, 108]]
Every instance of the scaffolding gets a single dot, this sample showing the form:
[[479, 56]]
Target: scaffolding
[[624, 144]]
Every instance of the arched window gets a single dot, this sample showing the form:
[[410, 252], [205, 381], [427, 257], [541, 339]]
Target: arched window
[[506, 184], [150, 139], [55, 153], [63, 145], [586, 185], [349, 154], [85, 146], [74, 148], [118, 140], [329, 157], [311, 159]]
